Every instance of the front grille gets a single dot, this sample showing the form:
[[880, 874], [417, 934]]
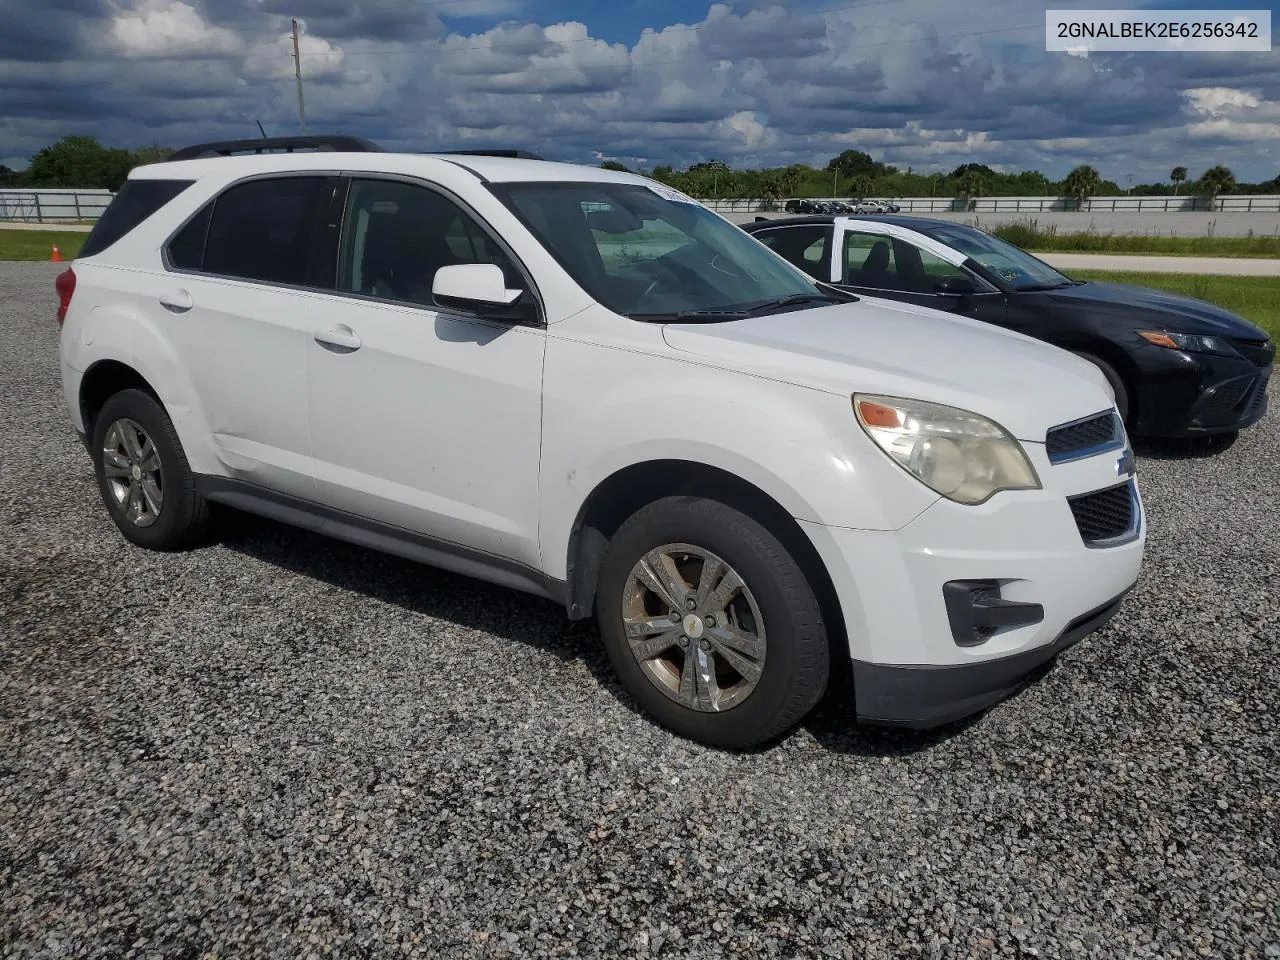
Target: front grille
[[1260, 352], [1105, 515], [1083, 436]]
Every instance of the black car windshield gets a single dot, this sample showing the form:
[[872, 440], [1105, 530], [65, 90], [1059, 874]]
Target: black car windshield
[[649, 253], [1018, 269]]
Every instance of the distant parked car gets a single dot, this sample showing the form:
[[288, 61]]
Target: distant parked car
[[1178, 367]]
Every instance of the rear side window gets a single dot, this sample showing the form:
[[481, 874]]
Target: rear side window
[[804, 246], [261, 230], [137, 200]]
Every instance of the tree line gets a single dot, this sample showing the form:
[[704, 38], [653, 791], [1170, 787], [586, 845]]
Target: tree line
[[856, 174], [84, 163]]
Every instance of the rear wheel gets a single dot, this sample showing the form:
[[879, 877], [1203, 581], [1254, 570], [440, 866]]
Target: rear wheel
[[1123, 401], [143, 474], [710, 624]]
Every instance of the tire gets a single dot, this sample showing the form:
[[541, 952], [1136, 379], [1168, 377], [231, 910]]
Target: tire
[[181, 514], [775, 608], [1124, 402]]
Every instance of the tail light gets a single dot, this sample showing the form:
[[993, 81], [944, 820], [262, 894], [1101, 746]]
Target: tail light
[[66, 286]]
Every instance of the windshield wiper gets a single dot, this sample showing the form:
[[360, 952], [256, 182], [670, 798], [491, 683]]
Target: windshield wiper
[[795, 298], [1035, 287], [740, 311], [717, 313]]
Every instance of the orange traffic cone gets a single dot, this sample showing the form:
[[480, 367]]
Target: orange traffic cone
[[57, 255]]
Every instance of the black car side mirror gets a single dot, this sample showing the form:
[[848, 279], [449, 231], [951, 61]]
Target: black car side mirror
[[954, 287]]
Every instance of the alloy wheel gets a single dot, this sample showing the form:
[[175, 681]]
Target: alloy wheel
[[131, 466], [694, 627]]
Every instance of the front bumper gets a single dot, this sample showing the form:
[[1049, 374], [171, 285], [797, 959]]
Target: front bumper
[[917, 663], [922, 696], [1182, 394]]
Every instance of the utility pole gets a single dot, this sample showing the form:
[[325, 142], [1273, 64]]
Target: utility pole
[[297, 73], [835, 181]]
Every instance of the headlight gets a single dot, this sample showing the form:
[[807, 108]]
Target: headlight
[[1191, 342], [964, 457]]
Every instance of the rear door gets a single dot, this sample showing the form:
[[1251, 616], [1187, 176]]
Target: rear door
[[805, 245], [239, 297]]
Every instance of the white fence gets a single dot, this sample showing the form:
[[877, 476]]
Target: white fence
[[1261, 203], [52, 206]]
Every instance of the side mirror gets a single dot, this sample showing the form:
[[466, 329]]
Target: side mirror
[[954, 287], [479, 287]]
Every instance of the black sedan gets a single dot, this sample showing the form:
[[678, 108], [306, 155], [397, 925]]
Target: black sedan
[[1178, 366]]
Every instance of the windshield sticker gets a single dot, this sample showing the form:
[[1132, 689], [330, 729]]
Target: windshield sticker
[[675, 196]]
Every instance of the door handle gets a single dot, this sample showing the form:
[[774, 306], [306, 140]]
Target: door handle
[[341, 339], [179, 301]]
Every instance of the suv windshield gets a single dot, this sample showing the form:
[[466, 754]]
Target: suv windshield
[[1018, 269], [648, 253]]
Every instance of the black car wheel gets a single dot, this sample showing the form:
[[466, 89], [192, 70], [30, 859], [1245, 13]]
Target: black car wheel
[[1123, 400]]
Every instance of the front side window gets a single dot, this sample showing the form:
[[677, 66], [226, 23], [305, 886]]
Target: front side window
[[1018, 269], [869, 261], [647, 253], [260, 230], [807, 247], [397, 235]]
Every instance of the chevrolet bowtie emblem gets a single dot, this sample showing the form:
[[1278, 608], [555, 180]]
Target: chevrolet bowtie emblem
[[1125, 466]]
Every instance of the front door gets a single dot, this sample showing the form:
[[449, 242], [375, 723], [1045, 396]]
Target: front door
[[424, 418], [875, 261]]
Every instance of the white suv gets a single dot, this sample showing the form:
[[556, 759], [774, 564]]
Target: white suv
[[585, 385]]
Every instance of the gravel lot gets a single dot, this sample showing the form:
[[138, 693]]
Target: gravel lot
[[280, 745]]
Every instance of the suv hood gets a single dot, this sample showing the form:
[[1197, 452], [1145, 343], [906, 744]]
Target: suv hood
[[898, 349]]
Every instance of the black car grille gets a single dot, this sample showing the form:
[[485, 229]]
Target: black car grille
[[1070, 439], [1105, 515], [1260, 352], [1227, 398]]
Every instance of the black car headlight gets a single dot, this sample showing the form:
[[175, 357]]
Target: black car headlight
[[1190, 342]]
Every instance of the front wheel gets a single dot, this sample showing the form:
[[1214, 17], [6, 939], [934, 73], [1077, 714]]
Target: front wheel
[[711, 624], [1124, 402]]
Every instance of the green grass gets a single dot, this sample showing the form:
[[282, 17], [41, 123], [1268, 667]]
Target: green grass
[[38, 244], [1257, 299], [1030, 236]]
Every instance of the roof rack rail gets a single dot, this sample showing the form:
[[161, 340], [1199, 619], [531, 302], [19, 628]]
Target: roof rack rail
[[518, 154], [225, 148]]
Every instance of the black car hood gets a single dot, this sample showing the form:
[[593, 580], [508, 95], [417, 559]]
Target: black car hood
[[1135, 305]]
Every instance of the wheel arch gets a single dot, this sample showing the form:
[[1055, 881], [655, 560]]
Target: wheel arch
[[629, 488], [101, 381], [1120, 361]]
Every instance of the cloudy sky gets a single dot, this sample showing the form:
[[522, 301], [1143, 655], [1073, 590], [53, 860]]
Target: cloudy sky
[[922, 83]]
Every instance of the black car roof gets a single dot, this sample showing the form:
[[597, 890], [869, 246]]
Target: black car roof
[[922, 224]]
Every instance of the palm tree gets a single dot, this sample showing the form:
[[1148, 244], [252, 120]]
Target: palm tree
[[860, 186], [1177, 175], [1216, 180], [1081, 183], [969, 185]]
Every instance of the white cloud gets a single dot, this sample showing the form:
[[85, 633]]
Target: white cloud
[[273, 59], [1220, 101], [1229, 114], [925, 83], [170, 28]]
